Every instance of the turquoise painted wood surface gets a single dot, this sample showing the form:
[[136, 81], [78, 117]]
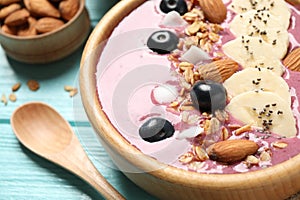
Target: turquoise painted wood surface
[[23, 175]]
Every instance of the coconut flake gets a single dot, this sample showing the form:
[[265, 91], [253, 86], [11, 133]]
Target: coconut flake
[[165, 94], [173, 19], [242, 167], [195, 55], [190, 133]]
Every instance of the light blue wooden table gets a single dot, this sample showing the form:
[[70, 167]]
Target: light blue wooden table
[[23, 175]]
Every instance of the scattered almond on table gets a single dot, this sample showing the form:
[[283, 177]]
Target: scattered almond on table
[[34, 17], [12, 97], [4, 99], [16, 87], [72, 90], [68, 88], [33, 85]]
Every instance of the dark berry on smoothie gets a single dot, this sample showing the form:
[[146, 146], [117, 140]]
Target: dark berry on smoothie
[[167, 6], [208, 96], [156, 129], [163, 42]]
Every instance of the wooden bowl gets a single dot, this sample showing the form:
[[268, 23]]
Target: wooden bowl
[[167, 182], [50, 46]]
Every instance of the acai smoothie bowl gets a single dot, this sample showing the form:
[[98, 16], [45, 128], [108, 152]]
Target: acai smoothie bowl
[[198, 99]]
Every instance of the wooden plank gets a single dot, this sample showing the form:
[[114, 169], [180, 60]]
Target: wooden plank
[[97, 8], [25, 175]]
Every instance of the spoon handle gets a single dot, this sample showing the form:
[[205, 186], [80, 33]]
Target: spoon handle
[[76, 160], [95, 179]]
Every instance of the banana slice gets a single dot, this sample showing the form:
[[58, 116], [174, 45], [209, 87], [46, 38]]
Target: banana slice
[[253, 52], [277, 8], [245, 48], [256, 20], [252, 79], [274, 65], [264, 25], [265, 110]]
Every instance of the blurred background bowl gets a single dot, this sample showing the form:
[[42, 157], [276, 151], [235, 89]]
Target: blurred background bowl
[[51, 46]]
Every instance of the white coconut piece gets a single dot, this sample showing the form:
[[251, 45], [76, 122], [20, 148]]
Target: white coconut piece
[[195, 55], [165, 93], [190, 133], [173, 19]]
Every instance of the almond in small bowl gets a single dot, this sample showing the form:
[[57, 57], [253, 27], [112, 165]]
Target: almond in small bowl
[[42, 31]]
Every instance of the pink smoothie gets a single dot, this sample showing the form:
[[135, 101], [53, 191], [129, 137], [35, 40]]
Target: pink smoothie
[[128, 72]]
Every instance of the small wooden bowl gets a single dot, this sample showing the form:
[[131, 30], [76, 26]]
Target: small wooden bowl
[[167, 182], [50, 46]]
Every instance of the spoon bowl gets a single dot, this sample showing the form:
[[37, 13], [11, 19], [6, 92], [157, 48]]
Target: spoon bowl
[[45, 132], [36, 125]]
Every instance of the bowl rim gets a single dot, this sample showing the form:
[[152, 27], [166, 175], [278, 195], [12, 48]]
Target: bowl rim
[[108, 133], [34, 37]]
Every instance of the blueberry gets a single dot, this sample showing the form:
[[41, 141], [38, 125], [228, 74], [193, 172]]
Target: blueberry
[[163, 42], [208, 96], [173, 5], [156, 129]]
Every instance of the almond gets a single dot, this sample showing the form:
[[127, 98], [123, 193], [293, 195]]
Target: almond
[[26, 4], [230, 151], [29, 29], [68, 88], [48, 24], [42, 8], [68, 9], [9, 30], [219, 70], [17, 18], [12, 97], [8, 2], [4, 99], [33, 85], [16, 87], [292, 60], [4, 12], [73, 92], [214, 10]]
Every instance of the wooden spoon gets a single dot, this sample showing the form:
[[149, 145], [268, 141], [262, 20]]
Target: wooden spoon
[[45, 132]]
